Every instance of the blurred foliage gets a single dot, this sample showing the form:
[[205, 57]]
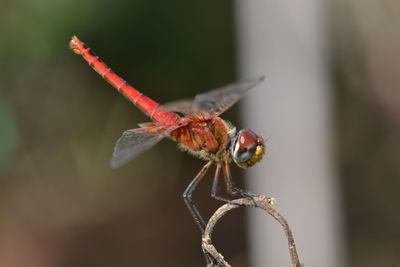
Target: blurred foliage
[[9, 135]]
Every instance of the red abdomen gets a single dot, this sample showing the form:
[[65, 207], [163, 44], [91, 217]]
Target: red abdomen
[[144, 103]]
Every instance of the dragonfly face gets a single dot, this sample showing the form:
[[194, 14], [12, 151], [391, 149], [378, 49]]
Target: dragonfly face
[[247, 148]]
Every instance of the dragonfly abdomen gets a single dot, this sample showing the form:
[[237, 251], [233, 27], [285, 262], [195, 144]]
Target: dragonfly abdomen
[[144, 103]]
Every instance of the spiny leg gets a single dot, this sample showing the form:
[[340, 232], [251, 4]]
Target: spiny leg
[[187, 197], [214, 189], [230, 186]]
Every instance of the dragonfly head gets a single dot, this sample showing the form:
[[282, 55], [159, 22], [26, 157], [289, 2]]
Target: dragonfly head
[[247, 148]]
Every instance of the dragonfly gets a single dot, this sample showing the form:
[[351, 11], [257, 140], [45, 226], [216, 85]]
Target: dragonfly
[[194, 124]]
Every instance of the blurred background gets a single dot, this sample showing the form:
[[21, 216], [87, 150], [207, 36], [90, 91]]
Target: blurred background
[[62, 205]]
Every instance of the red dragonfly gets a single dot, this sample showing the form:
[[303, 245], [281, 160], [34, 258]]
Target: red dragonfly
[[200, 131]]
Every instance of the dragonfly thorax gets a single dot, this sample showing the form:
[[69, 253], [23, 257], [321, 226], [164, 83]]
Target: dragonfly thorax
[[247, 148]]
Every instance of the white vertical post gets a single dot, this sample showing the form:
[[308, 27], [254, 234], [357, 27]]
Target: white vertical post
[[285, 41]]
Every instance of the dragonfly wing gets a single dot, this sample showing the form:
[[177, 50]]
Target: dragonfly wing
[[216, 101], [136, 141], [219, 100], [184, 106]]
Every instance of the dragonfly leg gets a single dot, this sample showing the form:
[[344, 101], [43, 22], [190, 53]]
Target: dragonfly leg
[[230, 186], [187, 197], [214, 189]]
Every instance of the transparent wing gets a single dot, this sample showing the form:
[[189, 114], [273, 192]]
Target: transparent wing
[[134, 142], [187, 107], [216, 101]]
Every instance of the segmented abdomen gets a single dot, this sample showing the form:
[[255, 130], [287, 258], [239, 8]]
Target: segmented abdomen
[[144, 103]]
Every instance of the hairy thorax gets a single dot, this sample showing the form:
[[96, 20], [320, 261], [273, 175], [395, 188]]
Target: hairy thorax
[[204, 138]]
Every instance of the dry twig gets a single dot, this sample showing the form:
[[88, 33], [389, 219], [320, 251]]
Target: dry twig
[[215, 259]]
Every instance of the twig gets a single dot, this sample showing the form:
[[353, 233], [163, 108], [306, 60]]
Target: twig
[[215, 259]]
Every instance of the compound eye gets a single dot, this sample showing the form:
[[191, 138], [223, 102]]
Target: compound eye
[[245, 145]]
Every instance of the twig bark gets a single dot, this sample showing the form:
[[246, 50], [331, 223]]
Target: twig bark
[[215, 259]]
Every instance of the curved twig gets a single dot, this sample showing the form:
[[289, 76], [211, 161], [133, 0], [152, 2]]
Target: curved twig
[[215, 259]]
